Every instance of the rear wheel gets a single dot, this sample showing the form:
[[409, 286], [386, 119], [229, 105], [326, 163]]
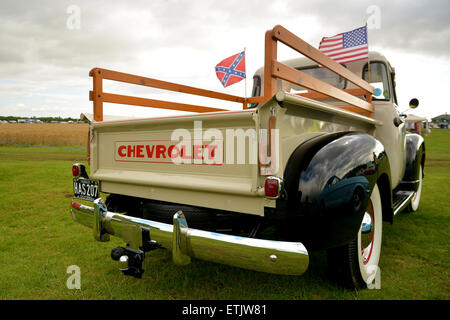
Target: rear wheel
[[354, 264], [414, 204]]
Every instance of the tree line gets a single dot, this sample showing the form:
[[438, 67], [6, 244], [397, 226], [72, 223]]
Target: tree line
[[43, 119]]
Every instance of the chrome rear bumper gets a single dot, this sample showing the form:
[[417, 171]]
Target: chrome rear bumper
[[289, 258]]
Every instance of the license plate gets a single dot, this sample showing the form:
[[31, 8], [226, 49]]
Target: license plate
[[85, 189]]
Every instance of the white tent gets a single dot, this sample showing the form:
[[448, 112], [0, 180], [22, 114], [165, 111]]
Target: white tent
[[414, 118], [414, 123]]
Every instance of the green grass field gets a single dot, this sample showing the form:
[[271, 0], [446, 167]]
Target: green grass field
[[39, 240]]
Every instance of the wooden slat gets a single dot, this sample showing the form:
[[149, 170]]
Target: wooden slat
[[270, 54], [318, 95], [294, 42], [165, 85], [144, 102], [272, 71], [300, 78], [256, 99], [97, 95], [355, 110]]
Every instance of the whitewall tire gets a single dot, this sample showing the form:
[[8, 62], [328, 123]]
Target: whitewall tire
[[369, 240], [355, 264], [414, 204]]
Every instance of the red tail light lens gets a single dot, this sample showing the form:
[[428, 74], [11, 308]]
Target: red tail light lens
[[272, 187], [76, 170]]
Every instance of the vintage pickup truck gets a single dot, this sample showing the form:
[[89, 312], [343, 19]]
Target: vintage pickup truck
[[317, 159]]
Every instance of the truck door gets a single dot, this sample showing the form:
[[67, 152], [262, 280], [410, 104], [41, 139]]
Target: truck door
[[392, 132]]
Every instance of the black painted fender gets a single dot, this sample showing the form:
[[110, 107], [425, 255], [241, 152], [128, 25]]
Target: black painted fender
[[414, 158], [328, 188]]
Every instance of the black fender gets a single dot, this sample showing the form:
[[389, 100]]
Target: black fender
[[328, 187], [414, 158]]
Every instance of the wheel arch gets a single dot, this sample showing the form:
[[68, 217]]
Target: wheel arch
[[414, 158], [356, 159]]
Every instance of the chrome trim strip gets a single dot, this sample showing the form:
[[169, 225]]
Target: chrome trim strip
[[278, 257], [404, 203]]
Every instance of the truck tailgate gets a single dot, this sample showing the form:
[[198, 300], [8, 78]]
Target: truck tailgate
[[133, 157]]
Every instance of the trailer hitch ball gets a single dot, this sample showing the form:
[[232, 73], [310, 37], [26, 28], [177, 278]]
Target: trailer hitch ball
[[130, 261], [123, 263]]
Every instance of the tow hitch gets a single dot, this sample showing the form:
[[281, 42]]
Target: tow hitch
[[130, 260]]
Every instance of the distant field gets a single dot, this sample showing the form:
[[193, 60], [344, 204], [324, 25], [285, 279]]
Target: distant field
[[438, 147], [45, 134], [39, 240]]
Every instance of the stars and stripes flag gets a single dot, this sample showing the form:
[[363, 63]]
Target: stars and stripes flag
[[346, 47], [231, 69]]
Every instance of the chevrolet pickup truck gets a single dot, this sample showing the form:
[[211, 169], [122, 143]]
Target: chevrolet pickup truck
[[317, 159]]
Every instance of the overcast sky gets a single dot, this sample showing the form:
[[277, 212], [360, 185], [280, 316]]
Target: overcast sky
[[45, 59]]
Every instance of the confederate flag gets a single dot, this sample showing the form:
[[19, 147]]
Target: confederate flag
[[231, 70]]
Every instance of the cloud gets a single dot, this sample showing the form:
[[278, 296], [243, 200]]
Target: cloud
[[418, 26], [179, 40]]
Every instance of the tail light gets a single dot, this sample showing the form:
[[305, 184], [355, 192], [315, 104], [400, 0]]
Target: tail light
[[76, 170], [273, 187], [79, 170]]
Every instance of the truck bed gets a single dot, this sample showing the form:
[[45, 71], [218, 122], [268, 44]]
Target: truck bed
[[125, 157]]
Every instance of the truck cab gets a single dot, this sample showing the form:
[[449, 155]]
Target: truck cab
[[382, 76]]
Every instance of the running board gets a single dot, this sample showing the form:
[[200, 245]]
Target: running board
[[401, 200]]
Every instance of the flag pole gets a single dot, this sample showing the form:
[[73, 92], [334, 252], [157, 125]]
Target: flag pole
[[368, 54], [245, 68]]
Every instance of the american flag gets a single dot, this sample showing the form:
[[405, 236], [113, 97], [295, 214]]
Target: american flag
[[346, 47], [231, 69]]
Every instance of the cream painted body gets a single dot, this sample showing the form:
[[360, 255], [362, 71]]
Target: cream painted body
[[393, 139], [233, 187]]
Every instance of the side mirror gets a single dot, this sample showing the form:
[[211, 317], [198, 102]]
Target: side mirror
[[414, 103]]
